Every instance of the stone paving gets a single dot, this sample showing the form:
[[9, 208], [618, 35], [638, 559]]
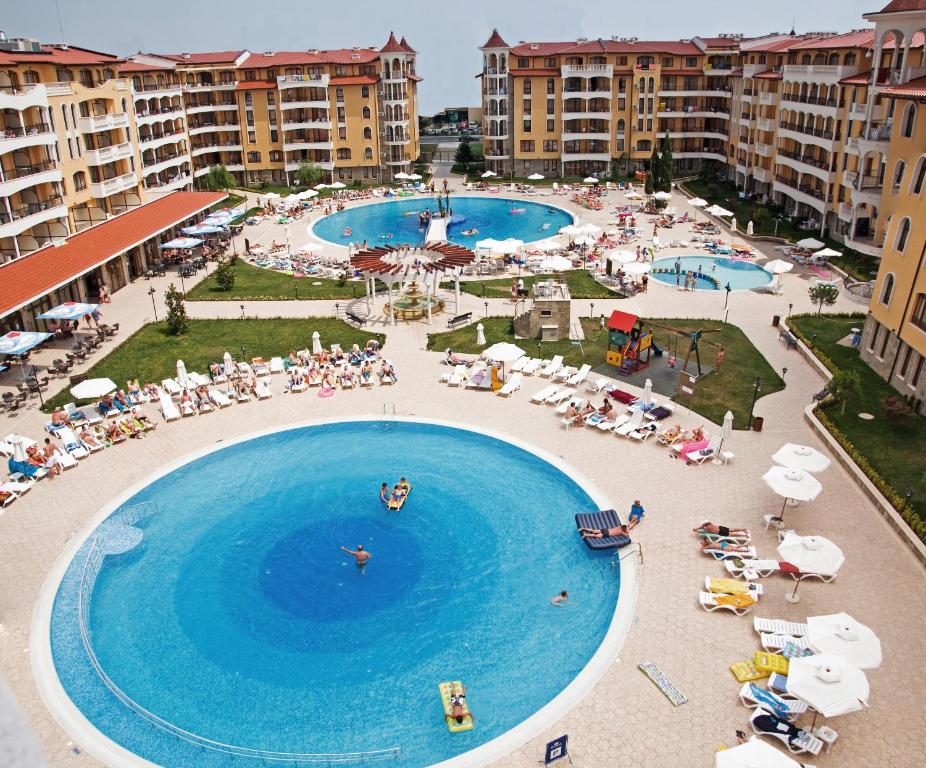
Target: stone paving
[[625, 719]]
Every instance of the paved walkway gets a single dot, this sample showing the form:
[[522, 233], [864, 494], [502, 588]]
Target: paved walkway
[[881, 583]]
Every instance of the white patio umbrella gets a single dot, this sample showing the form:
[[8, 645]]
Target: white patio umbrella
[[726, 430], [716, 210], [827, 253], [229, 365], [749, 228], [587, 228], [778, 267], [590, 180], [754, 754], [316, 343], [182, 378], [480, 335], [841, 635], [320, 186], [555, 264], [811, 555], [662, 196], [488, 174], [546, 245], [794, 456], [792, 484], [503, 352], [585, 240], [697, 202], [401, 175], [829, 684], [622, 257], [637, 268], [733, 224], [338, 185], [510, 245], [810, 243], [633, 195], [536, 176], [415, 176], [489, 244], [92, 388], [570, 230]]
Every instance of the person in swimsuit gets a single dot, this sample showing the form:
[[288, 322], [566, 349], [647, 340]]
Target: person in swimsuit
[[457, 712], [360, 555], [560, 600], [384, 492], [636, 514], [719, 530], [725, 546], [603, 533]]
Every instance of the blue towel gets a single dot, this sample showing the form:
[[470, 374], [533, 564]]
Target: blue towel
[[23, 467], [770, 701]]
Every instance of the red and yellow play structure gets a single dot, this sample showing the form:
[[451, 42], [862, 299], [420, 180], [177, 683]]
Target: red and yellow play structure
[[629, 346]]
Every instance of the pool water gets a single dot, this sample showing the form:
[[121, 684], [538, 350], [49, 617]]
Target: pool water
[[238, 618], [490, 216], [741, 275]]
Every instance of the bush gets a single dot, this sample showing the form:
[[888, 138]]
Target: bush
[[897, 408], [224, 275]]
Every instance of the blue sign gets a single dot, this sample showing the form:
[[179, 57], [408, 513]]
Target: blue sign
[[556, 750]]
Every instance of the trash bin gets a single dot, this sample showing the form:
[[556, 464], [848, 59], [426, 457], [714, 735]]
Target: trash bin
[[775, 320], [757, 422]]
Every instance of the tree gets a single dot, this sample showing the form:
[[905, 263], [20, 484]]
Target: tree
[[845, 385], [309, 174], [177, 320], [224, 275], [648, 184], [665, 151], [823, 294], [218, 178], [464, 154], [655, 168]]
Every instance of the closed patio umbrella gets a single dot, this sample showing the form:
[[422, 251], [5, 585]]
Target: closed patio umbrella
[[182, 378], [804, 457], [725, 431], [749, 228], [229, 365], [733, 224], [647, 396], [754, 754], [841, 635], [316, 343], [90, 389], [812, 555], [830, 685], [480, 335]]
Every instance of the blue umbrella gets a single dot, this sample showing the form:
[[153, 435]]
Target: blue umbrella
[[182, 242], [203, 229], [70, 310], [18, 342]]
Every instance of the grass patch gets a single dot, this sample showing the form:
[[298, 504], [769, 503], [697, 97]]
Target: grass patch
[[581, 286], [249, 212], [255, 283], [151, 353], [731, 389], [229, 202], [889, 445]]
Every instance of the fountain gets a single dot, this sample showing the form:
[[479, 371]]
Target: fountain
[[412, 304]]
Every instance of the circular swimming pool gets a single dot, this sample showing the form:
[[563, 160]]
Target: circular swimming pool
[[211, 619], [490, 217], [712, 273]]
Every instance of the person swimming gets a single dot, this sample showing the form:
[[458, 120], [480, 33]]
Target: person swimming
[[360, 555], [348, 232], [384, 493]]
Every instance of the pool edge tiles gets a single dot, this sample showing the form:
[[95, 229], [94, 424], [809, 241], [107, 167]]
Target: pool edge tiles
[[79, 727]]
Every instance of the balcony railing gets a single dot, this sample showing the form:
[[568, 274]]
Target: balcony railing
[[24, 171], [877, 131], [30, 209], [815, 100], [819, 133], [803, 188], [823, 165], [16, 132]]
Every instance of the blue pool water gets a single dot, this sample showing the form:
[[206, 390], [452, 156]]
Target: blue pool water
[[238, 619], [491, 216], [741, 275]]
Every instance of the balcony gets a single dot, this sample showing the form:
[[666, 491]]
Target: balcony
[[213, 128], [34, 135], [701, 154], [746, 98], [807, 135], [589, 135], [103, 122], [764, 124], [153, 142], [586, 95], [178, 182], [697, 133], [26, 176], [294, 144], [751, 70], [710, 93], [307, 125], [805, 164], [722, 70], [108, 154], [199, 87], [148, 118], [28, 96], [197, 109], [800, 193], [603, 157], [812, 104], [164, 163], [875, 137], [395, 142], [113, 186], [302, 81], [866, 245], [768, 99], [762, 175], [693, 112], [217, 146], [587, 70], [829, 74], [303, 104], [845, 212], [865, 188], [27, 216], [155, 91], [858, 111], [601, 114], [763, 149]]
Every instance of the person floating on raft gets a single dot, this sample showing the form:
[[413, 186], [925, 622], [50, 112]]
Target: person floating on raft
[[470, 232], [399, 494], [518, 210], [456, 710], [348, 232]]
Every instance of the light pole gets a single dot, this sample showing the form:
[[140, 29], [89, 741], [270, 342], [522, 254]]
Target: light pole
[[726, 301], [154, 306], [486, 304], [337, 309], [591, 309], [790, 307], [757, 388], [242, 311]]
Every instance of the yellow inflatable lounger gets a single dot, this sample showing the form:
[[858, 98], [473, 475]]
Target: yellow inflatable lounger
[[397, 505], [447, 691]]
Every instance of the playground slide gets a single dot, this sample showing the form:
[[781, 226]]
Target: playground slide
[[656, 350]]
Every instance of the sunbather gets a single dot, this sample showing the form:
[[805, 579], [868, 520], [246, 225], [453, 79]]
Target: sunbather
[[636, 515], [89, 439], [59, 418], [719, 530], [454, 359], [386, 371], [151, 389], [726, 546], [366, 372], [603, 533], [458, 708], [144, 423], [129, 427]]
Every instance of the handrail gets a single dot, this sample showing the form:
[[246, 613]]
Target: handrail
[[91, 569]]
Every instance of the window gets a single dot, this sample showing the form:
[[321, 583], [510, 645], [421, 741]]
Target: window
[[620, 126], [887, 289], [527, 106], [365, 113], [622, 61], [80, 181], [527, 146], [916, 375], [905, 362], [903, 233], [526, 126], [691, 61], [668, 61], [250, 119], [874, 337], [30, 76], [340, 114], [919, 176], [271, 99], [551, 106], [342, 133], [339, 94], [918, 318], [884, 341], [527, 86], [274, 135], [253, 157], [248, 99], [551, 85], [249, 74], [524, 62], [909, 121], [252, 137], [64, 116], [344, 153], [551, 125], [367, 133], [551, 146], [898, 175], [368, 153], [549, 62]]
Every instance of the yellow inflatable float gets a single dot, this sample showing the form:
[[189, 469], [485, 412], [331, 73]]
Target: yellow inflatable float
[[397, 504], [448, 691]]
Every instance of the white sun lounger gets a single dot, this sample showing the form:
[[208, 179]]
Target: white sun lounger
[[741, 539], [773, 642], [552, 367], [708, 601], [635, 422], [263, 390], [642, 433], [518, 365], [610, 426], [579, 376], [71, 444], [276, 365], [533, 366], [219, 397], [597, 386], [557, 397], [578, 402], [171, 387], [750, 569], [244, 369], [564, 373], [721, 554], [67, 460], [543, 394], [779, 627], [302, 386], [457, 377], [512, 385], [169, 410], [806, 743], [76, 415], [243, 397]]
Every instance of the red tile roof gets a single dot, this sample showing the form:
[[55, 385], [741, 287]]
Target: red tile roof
[[349, 56], [534, 72], [29, 278], [862, 78], [416, 78], [406, 47], [354, 80], [255, 85], [208, 57], [899, 6], [134, 66], [775, 45], [675, 47], [392, 45], [721, 42], [56, 54], [859, 39], [914, 89], [280, 59], [495, 41]]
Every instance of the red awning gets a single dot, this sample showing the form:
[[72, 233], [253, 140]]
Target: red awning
[[622, 321]]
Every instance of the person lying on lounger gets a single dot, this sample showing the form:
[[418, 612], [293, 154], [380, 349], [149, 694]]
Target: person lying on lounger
[[603, 533], [454, 359], [719, 530], [89, 439], [386, 371], [726, 546]]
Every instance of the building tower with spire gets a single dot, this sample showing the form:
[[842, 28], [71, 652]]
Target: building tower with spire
[[496, 105], [397, 95]]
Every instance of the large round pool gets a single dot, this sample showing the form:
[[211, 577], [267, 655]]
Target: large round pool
[[494, 217], [212, 619], [713, 273]]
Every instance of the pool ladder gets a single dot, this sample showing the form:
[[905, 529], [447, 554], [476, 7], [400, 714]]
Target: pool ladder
[[617, 557], [389, 414]]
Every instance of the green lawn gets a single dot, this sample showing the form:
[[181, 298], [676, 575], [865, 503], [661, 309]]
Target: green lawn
[[151, 354], [581, 286], [229, 202], [894, 448], [858, 265], [255, 283], [731, 389]]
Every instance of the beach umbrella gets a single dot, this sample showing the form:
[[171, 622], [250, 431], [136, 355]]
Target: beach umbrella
[[811, 555], [733, 224], [18, 342], [587, 228], [203, 229], [662, 196], [555, 264], [480, 335], [622, 257], [778, 266], [810, 243], [489, 244], [401, 175], [585, 240], [70, 310], [841, 635], [182, 243], [489, 174], [590, 180], [510, 245], [697, 202], [337, 185], [320, 186], [633, 195], [827, 253], [316, 343], [749, 228], [794, 456], [637, 268], [414, 176], [794, 484], [90, 389], [726, 430], [570, 230], [546, 245], [754, 754], [716, 210], [182, 378], [536, 176], [829, 684], [503, 352]]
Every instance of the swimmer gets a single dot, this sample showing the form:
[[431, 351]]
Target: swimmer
[[404, 484], [457, 712], [360, 555], [384, 492], [348, 232], [561, 600]]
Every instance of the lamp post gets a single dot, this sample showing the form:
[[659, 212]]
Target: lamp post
[[757, 388], [38, 386], [337, 309], [486, 304], [154, 306], [790, 307], [242, 311], [726, 300], [784, 372], [591, 309], [242, 354]]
